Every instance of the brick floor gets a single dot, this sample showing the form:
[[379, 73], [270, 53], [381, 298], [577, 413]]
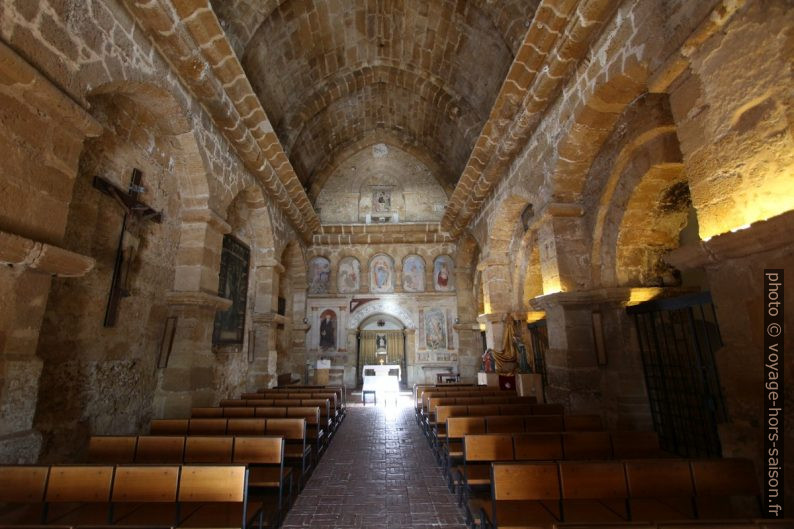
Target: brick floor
[[379, 472]]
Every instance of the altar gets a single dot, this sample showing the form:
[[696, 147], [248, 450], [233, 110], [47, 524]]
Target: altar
[[383, 380]]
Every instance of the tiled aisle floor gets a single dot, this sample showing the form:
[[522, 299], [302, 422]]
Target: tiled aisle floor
[[379, 472]]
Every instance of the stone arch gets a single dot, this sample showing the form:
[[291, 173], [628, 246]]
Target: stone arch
[[631, 174], [172, 121], [527, 276], [399, 139], [592, 122], [381, 306], [364, 74]]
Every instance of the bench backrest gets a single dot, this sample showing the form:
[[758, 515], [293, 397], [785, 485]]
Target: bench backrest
[[160, 449], [199, 449], [586, 445], [457, 427], [593, 480], [212, 484], [79, 484], [635, 444], [112, 449], [169, 426], [504, 424], [583, 423], [525, 481], [259, 450], [488, 447], [537, 446], [146, 484], [23, 484]]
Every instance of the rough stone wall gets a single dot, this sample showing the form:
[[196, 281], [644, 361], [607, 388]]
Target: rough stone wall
[[99, 380], [613, 190], [91, 52]]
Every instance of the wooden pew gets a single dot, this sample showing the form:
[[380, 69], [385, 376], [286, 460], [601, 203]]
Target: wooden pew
[[263, 456], [188, 496], [292, 429]]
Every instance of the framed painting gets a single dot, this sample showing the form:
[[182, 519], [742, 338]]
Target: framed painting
[[229, 327]]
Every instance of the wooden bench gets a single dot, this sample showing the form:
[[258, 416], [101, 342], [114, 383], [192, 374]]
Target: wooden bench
[[293, 430], [263, 455], [184, 495], [659, 492]]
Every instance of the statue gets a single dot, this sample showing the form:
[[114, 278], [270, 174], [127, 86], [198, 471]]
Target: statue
[[488, 363]]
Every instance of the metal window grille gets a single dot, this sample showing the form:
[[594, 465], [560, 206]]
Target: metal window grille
[[539, 336], [678, 339]]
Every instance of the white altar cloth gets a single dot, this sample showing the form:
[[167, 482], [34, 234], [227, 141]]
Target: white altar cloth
[[381, 382]]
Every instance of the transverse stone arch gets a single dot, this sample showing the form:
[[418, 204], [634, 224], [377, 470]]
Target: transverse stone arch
[[170, 119], [594, 119], [383, 306]]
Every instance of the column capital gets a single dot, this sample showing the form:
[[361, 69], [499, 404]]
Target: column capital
[[197, 299], [209, 216]]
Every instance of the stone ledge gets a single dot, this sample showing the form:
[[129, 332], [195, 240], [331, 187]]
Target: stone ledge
[[618, 295], [197, 299], [42, 257], [40, 93], [759, 237]]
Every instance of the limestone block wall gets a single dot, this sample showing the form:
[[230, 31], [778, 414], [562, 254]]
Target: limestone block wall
[[77, 69]]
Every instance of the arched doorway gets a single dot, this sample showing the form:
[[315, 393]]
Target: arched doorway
[[381, 340]]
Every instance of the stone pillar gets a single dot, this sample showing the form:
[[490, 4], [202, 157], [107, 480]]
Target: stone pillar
[[24, 286], [735, 264], [470, 356], [410, 356], [351, 379], [37, 179], [188, 378], [564, 264], [496, 286], [262, 371]]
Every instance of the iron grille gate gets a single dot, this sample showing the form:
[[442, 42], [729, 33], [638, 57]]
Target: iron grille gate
[[678, 338], [539, 336]]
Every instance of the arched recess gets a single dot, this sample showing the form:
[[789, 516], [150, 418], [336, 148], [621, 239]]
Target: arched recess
[[381, 307], [291, 299], [642, 198], [96, 379], [527, 276], [249, 366], [399, 139]]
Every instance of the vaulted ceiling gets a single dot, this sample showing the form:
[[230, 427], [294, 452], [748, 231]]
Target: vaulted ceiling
[[337, 75]]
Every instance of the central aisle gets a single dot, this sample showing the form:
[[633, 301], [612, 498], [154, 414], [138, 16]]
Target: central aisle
[[379, 472]]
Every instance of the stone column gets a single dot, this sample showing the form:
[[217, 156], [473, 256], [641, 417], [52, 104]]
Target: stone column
[[496, 291], [262, 371], [410, 355], [24, 286], [188, 378], [469, 354], [351, 378], [735, 264], [38, 179]]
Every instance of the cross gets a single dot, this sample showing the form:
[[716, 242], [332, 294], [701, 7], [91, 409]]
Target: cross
[[135, 213]]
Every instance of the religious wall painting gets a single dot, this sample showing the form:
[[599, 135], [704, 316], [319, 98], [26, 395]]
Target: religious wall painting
[[443, 274], [348, 278], [381, 201], [328, 330], [381, 271], [319, 275], [414, 274], [229, 326], [381, 340], [435, 329]]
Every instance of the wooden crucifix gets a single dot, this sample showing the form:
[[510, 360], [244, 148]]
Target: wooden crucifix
[[135, 214]]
